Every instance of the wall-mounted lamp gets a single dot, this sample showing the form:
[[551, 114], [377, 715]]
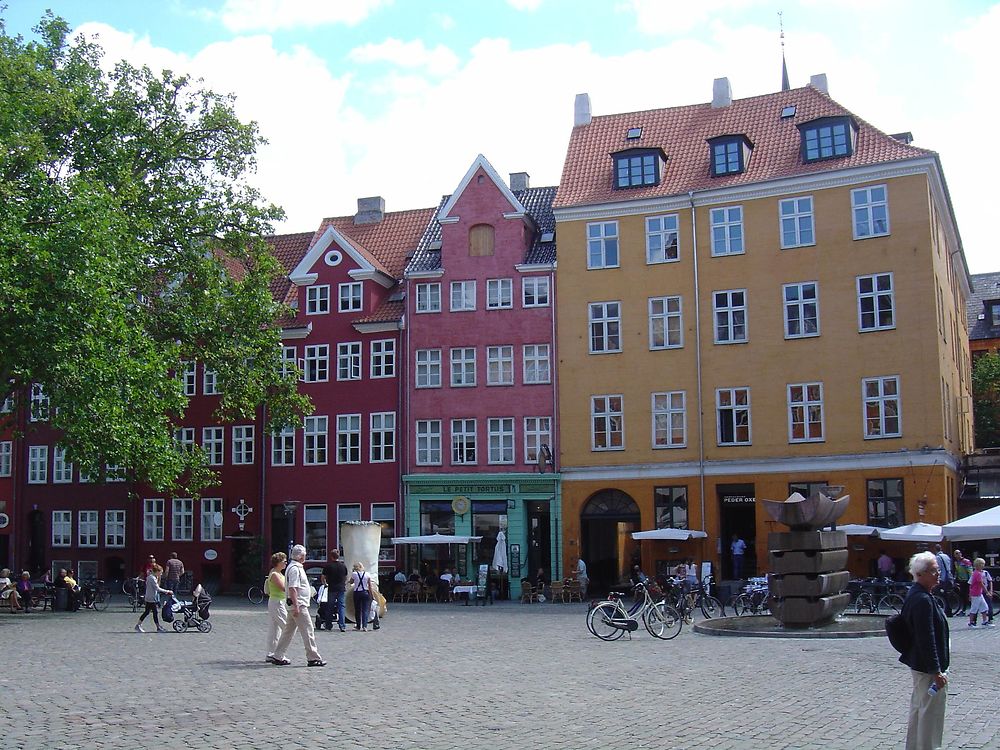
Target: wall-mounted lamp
[[511, 504], [290, 506]]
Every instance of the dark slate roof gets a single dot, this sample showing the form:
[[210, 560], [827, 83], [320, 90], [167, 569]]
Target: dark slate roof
[[538, 204], [985, 288]]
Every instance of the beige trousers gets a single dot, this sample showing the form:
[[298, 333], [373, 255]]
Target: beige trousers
[[925, 730], [277, 616], [300, 620]]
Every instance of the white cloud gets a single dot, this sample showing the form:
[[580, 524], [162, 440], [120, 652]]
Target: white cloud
[[272, 15], [524, 4], [443, 20], [656, 17], [438, 61]]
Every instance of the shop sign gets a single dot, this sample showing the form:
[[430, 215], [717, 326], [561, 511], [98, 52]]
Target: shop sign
[[211, 554], [738, 499], [461, 489], [515, 560]]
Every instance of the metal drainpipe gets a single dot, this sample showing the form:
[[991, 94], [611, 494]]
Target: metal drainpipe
[[554, 431], [265, 511], [697, 360]]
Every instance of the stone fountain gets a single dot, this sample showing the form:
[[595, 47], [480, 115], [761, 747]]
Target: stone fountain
[[808, 579]]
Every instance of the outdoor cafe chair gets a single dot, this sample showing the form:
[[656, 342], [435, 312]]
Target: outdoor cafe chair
[[572, 592], [557, 591]]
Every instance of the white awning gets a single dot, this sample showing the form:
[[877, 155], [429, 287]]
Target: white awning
[[913, 532], [435, 539], [982, 525], [677, 535]]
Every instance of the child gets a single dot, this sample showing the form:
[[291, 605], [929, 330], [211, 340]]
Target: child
[[977, 589]]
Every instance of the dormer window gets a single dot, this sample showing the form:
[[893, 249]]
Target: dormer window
[[828, 138], [993, 308], [638, 167], [730, 154]]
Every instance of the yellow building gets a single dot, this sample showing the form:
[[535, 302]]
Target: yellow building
[[754, 296]]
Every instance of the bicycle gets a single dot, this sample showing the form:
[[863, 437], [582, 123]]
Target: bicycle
[[609, 620], [879, 599], [697, 597], [135, 591], [95, 596], [755, 599], [255, 594]]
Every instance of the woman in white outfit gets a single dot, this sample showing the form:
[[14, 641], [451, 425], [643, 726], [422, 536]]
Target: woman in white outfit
[[277, 612]]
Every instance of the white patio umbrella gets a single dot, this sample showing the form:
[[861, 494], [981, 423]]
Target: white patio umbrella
[[858, 529], [435, 539], [913, 532], [982, 525], [500, 552], [677, 535]]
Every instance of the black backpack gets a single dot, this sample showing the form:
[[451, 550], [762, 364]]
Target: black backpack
[[898, 631]]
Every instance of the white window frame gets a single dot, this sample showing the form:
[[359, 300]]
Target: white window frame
[[289, 360], [382, 437], [243, 444], [6, 458], [865, 211], [189, 377], [38, 405], [535, 291], [796, 222], [663, 239], [727, 231], [62, 528], [428, 444], [209, 382], [184, 437], [603, 249], [349, 360], [152, 519], [38, 464], [604, 325], [805, 408], [316, 363], [318, 299], [871, 301], [663, 311], [735, 410], [462, 297], [114, 528], [315, 440], [728, 316], [283, 447], [499, 294], [348, 512], [209, 506], [350, 296], [463, 366], [386, 513], [428, 297], [536, 361], [500, 365], [607, 411], [669, 424], [500, 440], [213, 443], [62, 472], [537, 432], [879, 400], [182, 519], [382, 359], [318, 514], [88, 528], [428, 369], [463, 442], [348, 438], [800, 305]]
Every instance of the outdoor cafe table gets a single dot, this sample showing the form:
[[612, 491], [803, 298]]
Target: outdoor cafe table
[[468, 590]]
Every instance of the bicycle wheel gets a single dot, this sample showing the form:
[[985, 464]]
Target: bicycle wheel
[[742, 605], [663, 621], [599, 621], [204, 626], [711, 607], [890, 603], [255, 594], [864, 603], [102, 599]]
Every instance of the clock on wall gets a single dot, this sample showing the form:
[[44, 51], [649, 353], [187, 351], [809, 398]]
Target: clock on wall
[[460, 505]]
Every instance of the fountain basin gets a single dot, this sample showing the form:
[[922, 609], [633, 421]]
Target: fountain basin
[[765, 626]]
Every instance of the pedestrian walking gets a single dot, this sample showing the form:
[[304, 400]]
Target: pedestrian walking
[[174, 572], [738, 548], [152, 599], [361, 583], [277, 612], [581, 576], [977, 593], [963, 570], [336, 591], [298, 593], [947, 577], [928, 655]]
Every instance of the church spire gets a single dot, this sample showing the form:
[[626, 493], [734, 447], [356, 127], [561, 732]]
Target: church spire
[[785, 86]]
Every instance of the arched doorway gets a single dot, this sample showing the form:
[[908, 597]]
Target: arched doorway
[[606, 524]]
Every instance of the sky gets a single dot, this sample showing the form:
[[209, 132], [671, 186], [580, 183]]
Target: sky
[[397, 97]]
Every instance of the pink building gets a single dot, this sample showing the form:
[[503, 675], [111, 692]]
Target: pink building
[[480, 395]]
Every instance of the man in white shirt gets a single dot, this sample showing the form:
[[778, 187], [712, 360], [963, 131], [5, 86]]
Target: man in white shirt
[[581, 576], [299, 593]]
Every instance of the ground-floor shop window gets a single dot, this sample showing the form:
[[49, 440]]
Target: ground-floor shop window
[[488, 518], [315, 532], [385, 514]]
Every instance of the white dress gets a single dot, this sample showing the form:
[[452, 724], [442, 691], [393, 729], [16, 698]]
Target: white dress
[[6, 589]]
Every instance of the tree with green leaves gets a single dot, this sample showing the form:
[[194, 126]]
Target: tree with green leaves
[[130, 244], [986, 400]]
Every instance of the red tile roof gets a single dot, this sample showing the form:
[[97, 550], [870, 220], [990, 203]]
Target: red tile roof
[[288, 249], [683, 132], [389, 311]]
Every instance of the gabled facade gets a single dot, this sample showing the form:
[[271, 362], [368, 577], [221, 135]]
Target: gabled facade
[[480, 379], [751, 307]]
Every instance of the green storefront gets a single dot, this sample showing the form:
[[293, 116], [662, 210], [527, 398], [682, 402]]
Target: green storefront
[[526, 507]]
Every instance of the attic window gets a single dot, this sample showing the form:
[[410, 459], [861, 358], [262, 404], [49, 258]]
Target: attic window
[[828, 138], [788, 111], [633, 134], [729, 154], [994, 310], [637, 167]]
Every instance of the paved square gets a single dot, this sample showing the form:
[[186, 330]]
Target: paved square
[[449, 676]]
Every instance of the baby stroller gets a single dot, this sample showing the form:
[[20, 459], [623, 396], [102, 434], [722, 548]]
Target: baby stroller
[[193, 614]]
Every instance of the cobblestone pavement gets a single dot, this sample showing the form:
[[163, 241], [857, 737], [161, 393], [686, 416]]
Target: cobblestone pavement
[[450, 676]]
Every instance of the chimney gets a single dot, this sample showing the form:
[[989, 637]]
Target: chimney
[[818, 81], [581, 110], [722, 94], [519, 181], [370, 210]]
